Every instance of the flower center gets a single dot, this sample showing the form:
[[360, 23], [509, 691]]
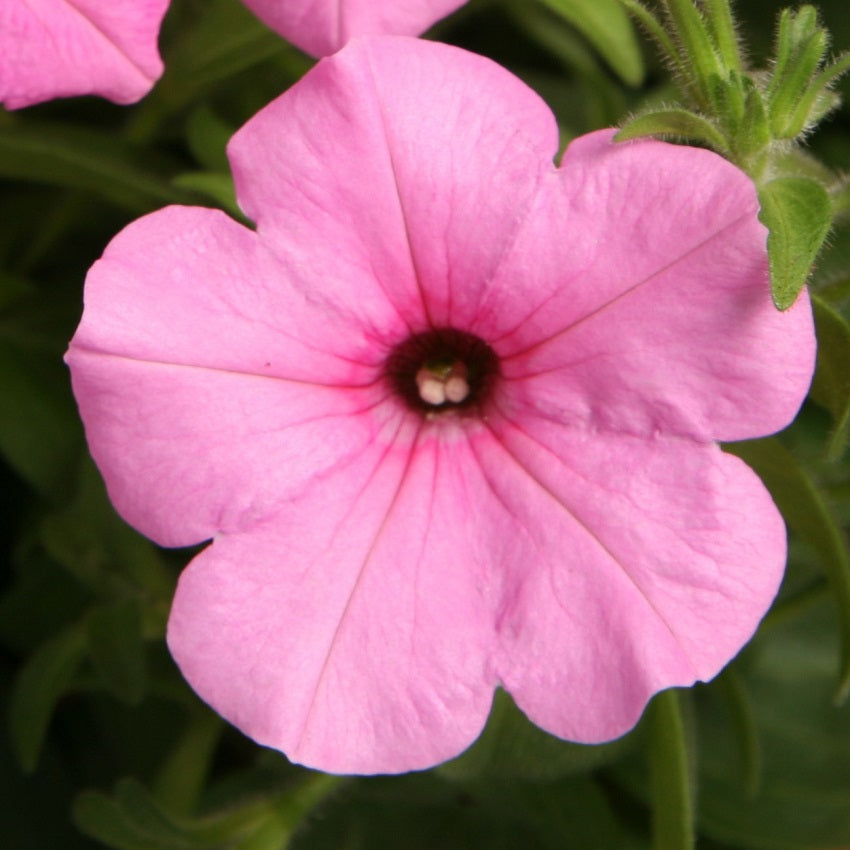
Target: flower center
[[442, 370]]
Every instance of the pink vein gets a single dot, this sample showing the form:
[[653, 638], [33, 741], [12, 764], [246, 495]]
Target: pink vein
[[364, 563]]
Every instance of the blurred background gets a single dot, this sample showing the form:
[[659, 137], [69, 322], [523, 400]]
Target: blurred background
[[103, 744]]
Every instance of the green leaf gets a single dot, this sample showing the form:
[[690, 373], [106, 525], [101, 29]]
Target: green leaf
[[672, 804], [806, 513], [421, 812], [798, 214], [675, 123], [511, 747], [40, 435], [207, 136], [130, 821], [217, 187], [608, 28], [97, 547], [804, 794], [209, 51], [60, 155], [117, 648], [40, 684], [133, 820], [745, 726], [831, 386], [181, 777]]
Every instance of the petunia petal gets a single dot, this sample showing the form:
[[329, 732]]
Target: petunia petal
[[636, 298], [353, 630], [191, 352], [636, 564], [419, 193], [321, 27], [59, 48]]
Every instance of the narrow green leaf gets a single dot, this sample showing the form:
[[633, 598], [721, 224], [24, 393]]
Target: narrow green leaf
[[207, 136], [672, 804], [60, 155], [117, 648], [744, 725], [831, 386], [272, 834], [608, 28], [806, 513], [40, 684], [217, 187], [836, 293], [674, 123], [130, 821], [798, 214], [181, 778], [841, 196], [211, 50]]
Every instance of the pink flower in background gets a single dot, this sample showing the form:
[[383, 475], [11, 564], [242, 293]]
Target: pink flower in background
[[59, 48], [321, 28], [449, 415]]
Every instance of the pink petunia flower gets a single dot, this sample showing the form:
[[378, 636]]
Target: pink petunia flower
[[59, 48], [322, 28], [449, 414]]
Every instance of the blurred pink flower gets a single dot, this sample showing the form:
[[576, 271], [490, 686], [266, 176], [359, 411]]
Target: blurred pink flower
[[448, 415], [321, 28], [59, 48]]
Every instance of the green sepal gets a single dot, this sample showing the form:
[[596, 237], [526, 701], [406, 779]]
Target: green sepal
[[831, 386], [798, 213], [658, 34], [817, 101], [40, 684], [702, 62], [724, 36], [801, 47], [807, 515], [674, 123], [607, 27], [753, 132]]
